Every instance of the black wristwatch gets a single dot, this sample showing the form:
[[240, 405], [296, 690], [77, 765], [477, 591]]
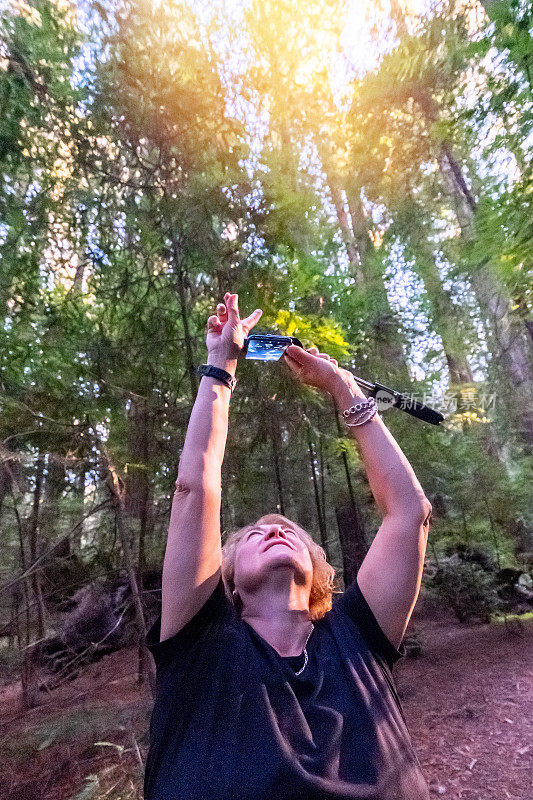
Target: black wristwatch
[[220, 374]]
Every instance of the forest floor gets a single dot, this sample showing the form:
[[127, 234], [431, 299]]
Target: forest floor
[[468, 701]]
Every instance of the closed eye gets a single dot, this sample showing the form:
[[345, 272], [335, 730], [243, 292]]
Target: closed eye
[[262, 533]]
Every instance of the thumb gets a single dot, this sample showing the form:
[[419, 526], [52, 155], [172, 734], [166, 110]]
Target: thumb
[[298, 354], [252, 320]]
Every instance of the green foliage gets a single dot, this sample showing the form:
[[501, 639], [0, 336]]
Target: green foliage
[[468, 589], [175, 171]]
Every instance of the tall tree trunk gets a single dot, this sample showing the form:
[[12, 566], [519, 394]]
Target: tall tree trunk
[[510, 350], [189, 348], [349, 521], [28, 677], [445, 317], [225, 524], [446, 320], [508, 337], [138, 493], [319, 511], [322, 479], [385, 324], [138, 488], [54, 484], [353, 552], [9, 470], [274, 431], [33, 525], [78, 490], [355, 234], [277, 470], [354, 257], [116, 492], [510, 343]]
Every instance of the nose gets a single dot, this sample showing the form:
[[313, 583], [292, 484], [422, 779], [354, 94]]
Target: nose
[[276, 531]]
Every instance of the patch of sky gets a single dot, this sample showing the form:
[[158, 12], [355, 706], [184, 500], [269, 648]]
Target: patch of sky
[[119, 225], [359, 55], [47, 276], [93, 51], [102, 431], [233, 60], [499, 163], [405, 292], [33, 190], [310, 163]]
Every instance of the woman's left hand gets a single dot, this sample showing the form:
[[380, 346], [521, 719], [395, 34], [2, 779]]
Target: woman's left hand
[[317, 369]]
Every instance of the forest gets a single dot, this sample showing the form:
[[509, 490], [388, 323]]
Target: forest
[[362, 171]]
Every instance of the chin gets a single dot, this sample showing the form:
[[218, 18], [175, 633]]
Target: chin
[[281, 558]]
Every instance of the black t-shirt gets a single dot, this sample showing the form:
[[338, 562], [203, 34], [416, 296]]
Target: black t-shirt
[[232, 720]]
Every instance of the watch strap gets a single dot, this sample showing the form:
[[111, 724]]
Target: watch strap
[[210, 371]]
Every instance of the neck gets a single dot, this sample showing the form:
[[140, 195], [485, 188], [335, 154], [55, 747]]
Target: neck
[[282, 619]]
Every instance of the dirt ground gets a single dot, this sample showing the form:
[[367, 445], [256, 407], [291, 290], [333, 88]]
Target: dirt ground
[[468, 701]]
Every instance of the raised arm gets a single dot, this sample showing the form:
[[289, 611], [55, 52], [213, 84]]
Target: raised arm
[[191, 568], [391, 573]]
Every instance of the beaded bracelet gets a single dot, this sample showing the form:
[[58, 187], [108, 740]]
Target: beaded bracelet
[[371, 414], [366, 404], [361, 412]]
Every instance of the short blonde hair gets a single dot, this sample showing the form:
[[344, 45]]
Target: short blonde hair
[[323, 585]]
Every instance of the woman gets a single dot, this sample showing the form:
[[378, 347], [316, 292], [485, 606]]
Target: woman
[[266, 690]]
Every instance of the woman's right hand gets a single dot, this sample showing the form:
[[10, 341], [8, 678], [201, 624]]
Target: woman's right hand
[[318, 370], [226, 331]]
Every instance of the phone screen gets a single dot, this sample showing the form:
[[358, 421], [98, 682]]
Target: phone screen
[[266, 349]]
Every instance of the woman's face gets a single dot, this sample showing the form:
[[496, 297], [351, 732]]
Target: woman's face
[[271, 546]]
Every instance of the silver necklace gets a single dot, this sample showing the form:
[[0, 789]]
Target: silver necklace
[[305, 653]]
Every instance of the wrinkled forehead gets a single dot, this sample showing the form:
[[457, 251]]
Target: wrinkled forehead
[[266, 525]]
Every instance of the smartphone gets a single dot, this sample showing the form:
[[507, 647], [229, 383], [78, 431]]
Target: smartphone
[[268, 346]]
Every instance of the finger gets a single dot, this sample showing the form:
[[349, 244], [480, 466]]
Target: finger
[[324, 355], [294, 366], [335, 362], [312, 349], [232, 304], [222, 312], [252, 320], [213, 323]]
